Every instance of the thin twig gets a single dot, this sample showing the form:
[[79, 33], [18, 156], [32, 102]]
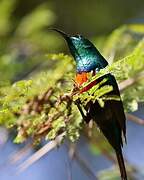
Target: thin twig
[[69, 169], [74, 154], [135, 119], [84, 165], [41, 152], [131, 81], [96, 141], [14, 158]]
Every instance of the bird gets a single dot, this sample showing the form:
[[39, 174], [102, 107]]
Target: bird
[[110, 119]]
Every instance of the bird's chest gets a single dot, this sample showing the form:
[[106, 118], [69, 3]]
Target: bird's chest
[[83, 77]]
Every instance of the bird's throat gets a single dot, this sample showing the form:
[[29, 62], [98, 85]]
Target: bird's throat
[[83, 77]]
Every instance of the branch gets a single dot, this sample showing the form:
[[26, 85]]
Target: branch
[[84, 165], [74, 154], [135, 119], [20, 154], [131, 81], [96, 141], [41, 152]]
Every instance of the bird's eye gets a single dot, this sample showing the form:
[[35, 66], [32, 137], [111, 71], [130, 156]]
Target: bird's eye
[[77, 36], [80, 36]]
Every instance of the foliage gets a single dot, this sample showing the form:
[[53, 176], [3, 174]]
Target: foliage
[[37, 95], [42, 106], [24, 42]]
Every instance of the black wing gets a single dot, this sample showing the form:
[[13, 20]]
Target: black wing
[[111, 118]]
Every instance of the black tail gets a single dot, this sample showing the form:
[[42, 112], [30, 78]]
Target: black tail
[[121, 165]]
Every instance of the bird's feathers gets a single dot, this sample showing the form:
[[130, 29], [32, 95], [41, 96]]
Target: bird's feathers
[[110, 118]]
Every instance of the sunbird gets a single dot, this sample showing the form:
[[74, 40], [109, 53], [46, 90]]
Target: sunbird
[[110, 119]]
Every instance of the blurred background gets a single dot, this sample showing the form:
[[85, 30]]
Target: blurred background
[[24, 42]]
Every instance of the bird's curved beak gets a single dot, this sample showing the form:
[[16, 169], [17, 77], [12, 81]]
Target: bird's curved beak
[[66, 36], [68, 39]]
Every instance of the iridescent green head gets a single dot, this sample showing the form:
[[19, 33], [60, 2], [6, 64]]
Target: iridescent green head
[[86, 55]]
